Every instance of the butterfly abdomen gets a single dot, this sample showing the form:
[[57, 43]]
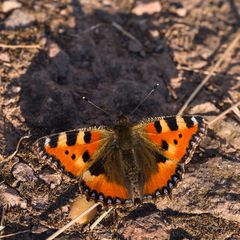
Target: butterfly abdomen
[[132, 171]]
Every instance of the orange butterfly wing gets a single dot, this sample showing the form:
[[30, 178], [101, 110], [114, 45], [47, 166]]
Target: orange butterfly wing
[[81, 153], [160, 145], [98, 184], [73, 151], [173, 139]]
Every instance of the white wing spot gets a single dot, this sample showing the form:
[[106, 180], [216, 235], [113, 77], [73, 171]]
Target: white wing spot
[[100, 197], [194, 119], [47, 141], [158, 193]]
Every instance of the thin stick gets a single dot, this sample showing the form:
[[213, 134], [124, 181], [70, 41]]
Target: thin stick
[[220, 116], [100, 218], [215, 68], [2, 45], [87, 30], [17, 148], [72, 222], [92, 28], [184, 68], [237, 112], [13, 234], [126, 33], [2, 219]]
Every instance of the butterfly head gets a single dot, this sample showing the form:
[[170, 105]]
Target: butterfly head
[[122, 121], [122, 126]]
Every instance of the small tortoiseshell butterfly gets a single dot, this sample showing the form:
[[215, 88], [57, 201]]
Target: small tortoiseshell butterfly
[[128, 162]]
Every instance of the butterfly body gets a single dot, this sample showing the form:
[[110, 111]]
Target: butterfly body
[[127, 142], [128, 162]]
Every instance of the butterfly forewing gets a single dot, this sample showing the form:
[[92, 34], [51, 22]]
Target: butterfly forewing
[[73, 151], [170, 141]]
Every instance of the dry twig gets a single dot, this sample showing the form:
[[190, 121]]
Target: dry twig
[[126, 33], [16, 151], [205, 72], [2, 45], [101, 218], [61, 230], [2, 219], [13, 234], [220, 116]]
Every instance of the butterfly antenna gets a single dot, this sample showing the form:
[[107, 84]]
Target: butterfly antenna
[[93, 104], [145, 98]]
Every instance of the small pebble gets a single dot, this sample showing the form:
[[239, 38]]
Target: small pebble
[[7, 6], [53, 179], [147, 8], [10, 197], [4, 57], [154, 33], [22, 172], [80, 205], [19, 18]]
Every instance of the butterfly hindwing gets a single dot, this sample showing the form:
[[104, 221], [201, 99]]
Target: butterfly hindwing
[[105, 180], [73, 151], [171, 141]]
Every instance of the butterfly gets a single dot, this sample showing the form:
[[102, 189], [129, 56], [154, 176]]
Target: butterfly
[[126, 163]]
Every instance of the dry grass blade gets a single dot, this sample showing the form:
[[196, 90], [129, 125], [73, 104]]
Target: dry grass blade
[[100, 218], [205, 72], [126, 33], [2, 219], [237, 112], [220, 116], [13, 234], [17, 148], [2, 45], [227, 52], [72, 222]]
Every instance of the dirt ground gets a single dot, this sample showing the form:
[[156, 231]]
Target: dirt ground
[[77, 49]]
